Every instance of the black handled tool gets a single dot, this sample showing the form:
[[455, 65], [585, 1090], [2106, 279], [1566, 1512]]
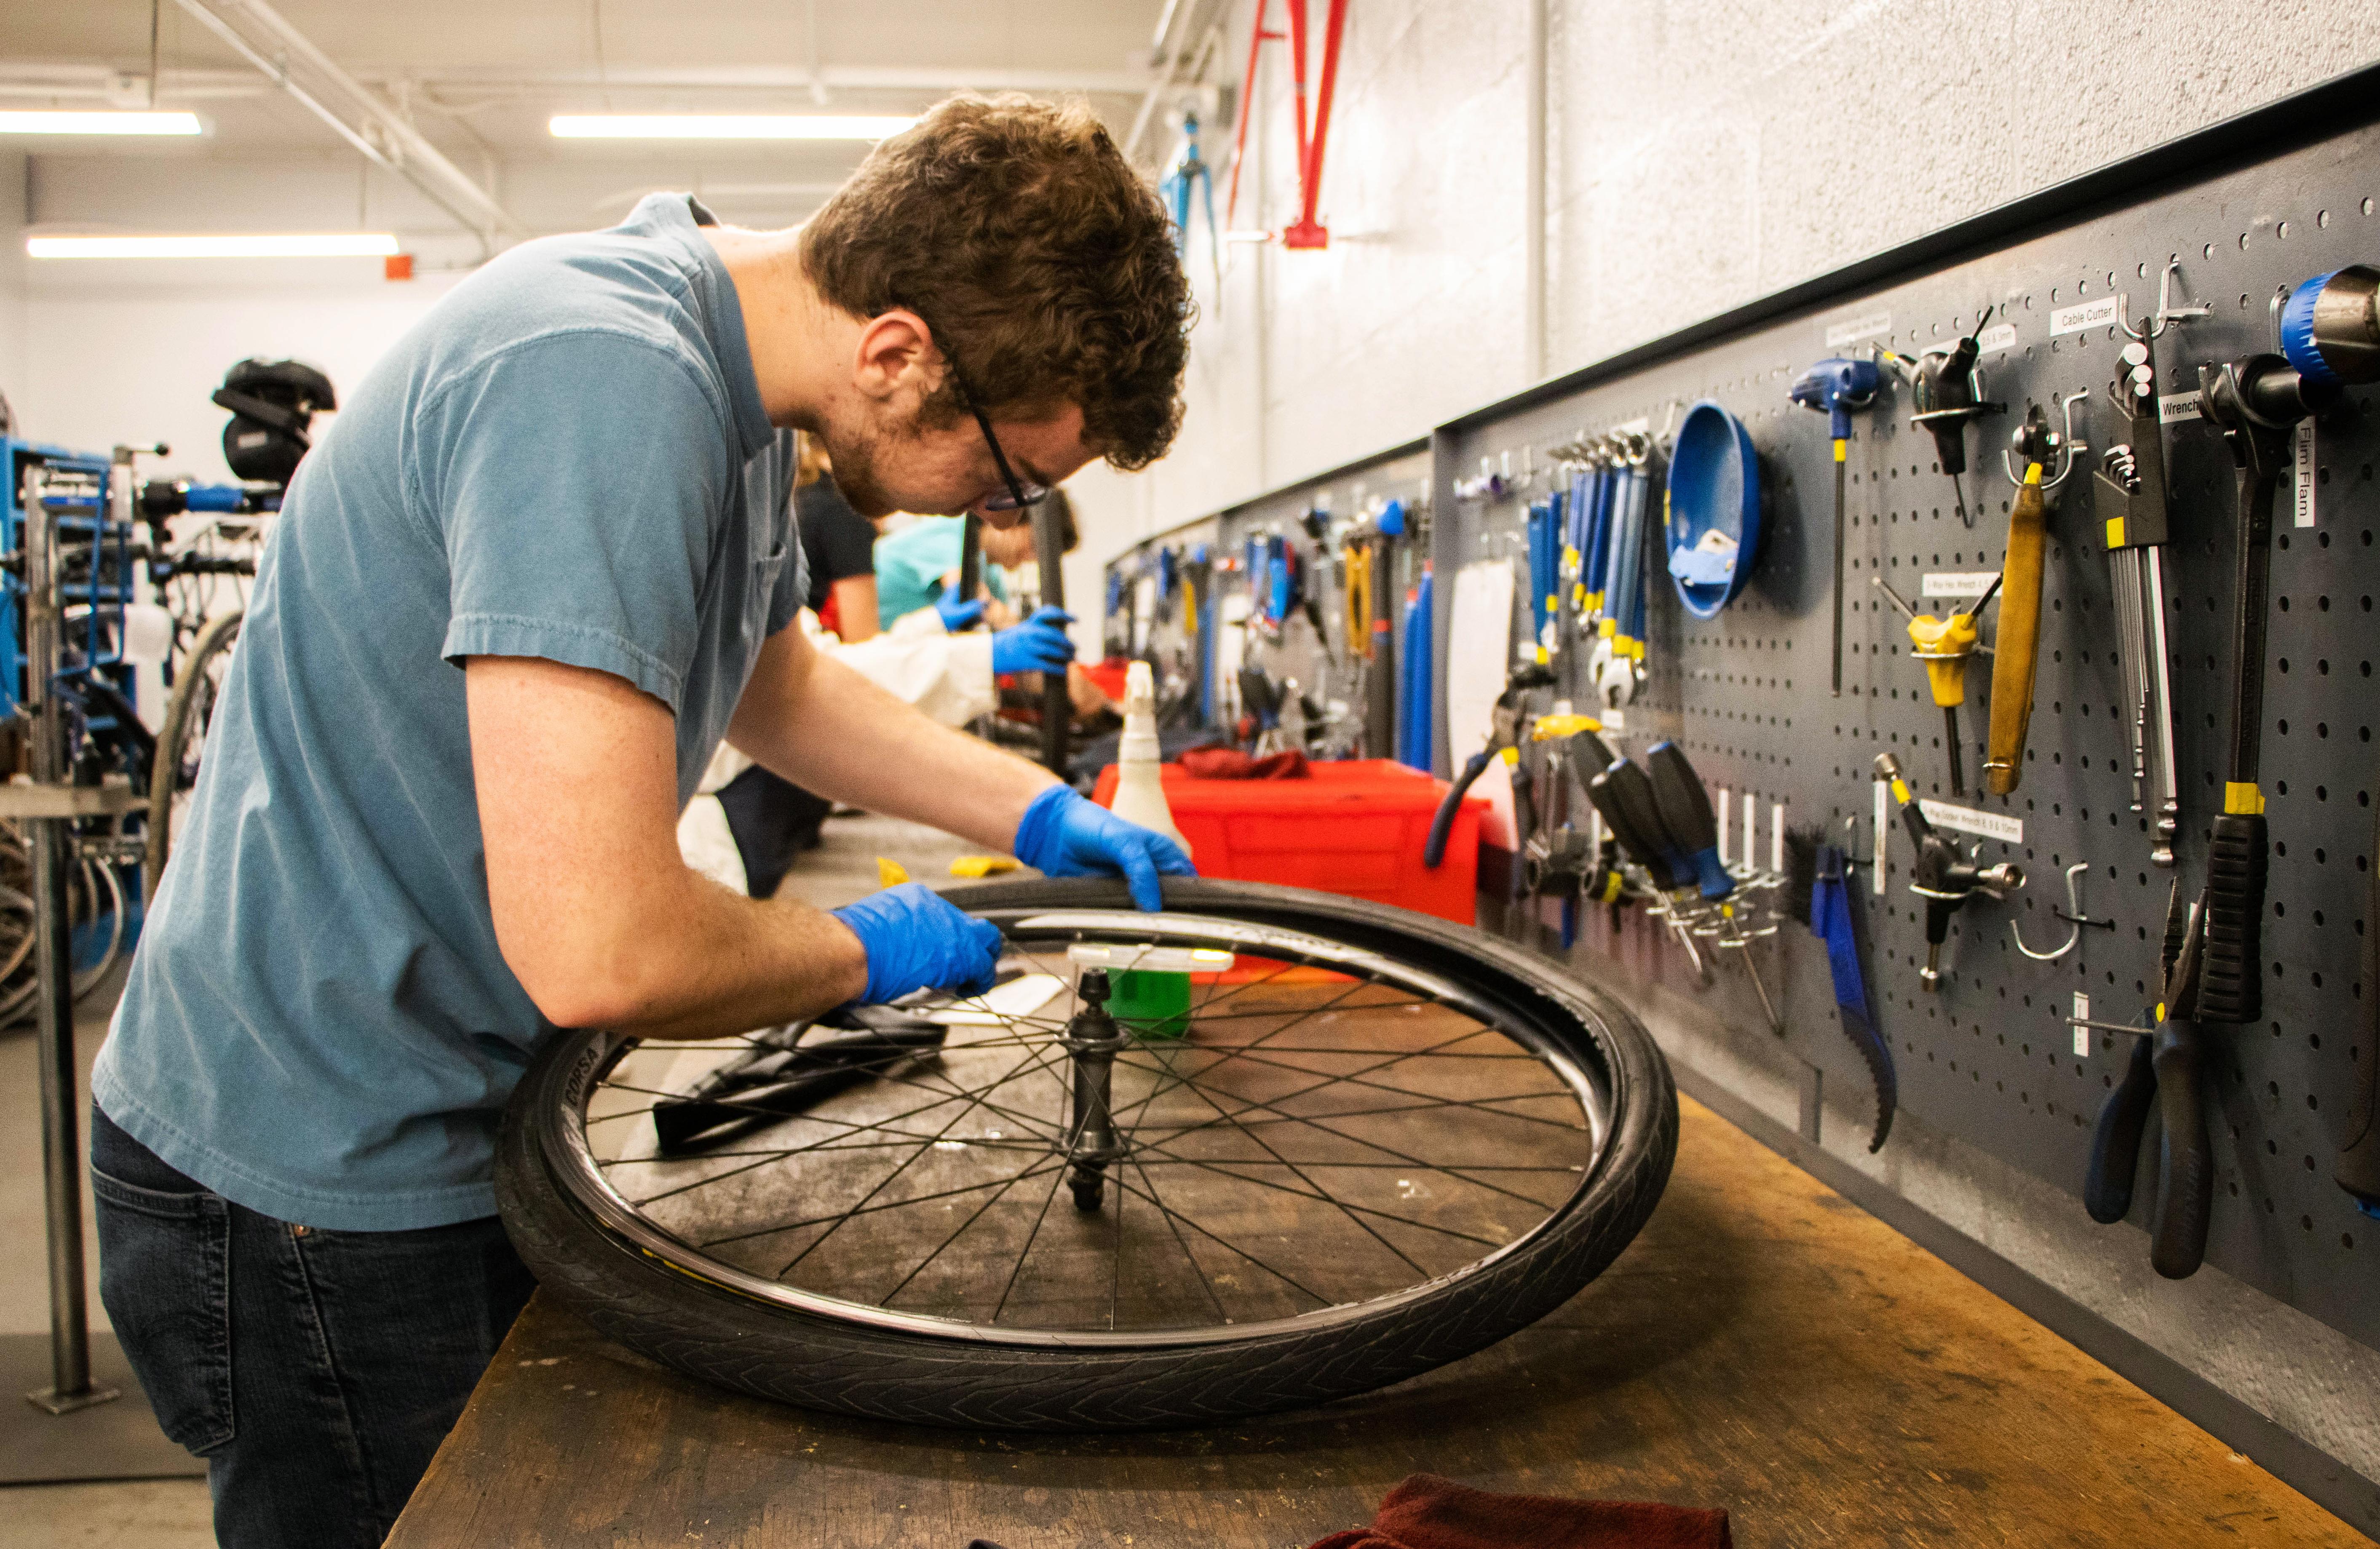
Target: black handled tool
[[970, 557], [1685, 812], [2258, 403], [1944, 395], [1503, 738], [783, 1078], [1624, 795], [2185, 1158], [1943, 877], [1057, 701], [1603, 791], [2115, 1141]]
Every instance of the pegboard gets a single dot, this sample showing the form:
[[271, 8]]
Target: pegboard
[[1989, 1058], [1332, 675]]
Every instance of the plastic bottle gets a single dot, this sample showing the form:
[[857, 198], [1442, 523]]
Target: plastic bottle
[[1140, 788]]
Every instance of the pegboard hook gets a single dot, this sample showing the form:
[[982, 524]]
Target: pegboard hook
[[2167, 314], [2056, 448], [2072, 914]]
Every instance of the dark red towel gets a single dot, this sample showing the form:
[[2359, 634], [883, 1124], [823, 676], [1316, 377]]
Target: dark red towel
[[1230, 763], [1427, 1512]]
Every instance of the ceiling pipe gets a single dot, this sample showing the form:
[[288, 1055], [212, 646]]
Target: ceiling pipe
[[1168, 58], [265, 39]]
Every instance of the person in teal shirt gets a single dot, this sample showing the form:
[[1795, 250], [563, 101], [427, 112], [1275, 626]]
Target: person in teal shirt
[[915, 565], [517, 596]]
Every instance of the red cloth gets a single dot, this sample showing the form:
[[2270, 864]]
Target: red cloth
[[1230, 763], [1427, 1512]]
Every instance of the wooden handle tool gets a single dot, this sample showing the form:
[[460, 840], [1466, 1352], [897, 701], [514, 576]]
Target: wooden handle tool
[[2018, 647]]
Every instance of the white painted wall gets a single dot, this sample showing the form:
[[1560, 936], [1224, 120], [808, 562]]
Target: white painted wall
[[1698, 156], [12, 276], [132, 356]]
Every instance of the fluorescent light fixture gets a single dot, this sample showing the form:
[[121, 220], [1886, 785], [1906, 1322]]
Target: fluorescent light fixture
[[364, 244], [726, 126], [45, 123]]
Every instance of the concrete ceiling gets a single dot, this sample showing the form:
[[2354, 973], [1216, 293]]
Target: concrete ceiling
[[478, 79]]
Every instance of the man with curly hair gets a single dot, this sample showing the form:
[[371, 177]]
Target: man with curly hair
[[543, 564]]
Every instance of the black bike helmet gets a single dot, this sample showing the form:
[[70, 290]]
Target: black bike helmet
[[272, 402]]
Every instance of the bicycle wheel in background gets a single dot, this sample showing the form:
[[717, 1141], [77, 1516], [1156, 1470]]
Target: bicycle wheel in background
[[189, 711], [1367, 1143]]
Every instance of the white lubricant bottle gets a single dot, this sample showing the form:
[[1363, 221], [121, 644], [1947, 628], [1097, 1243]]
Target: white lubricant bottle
[[1140, 788]]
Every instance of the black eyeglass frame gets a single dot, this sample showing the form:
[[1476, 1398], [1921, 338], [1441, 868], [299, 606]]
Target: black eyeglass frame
[[1023, 494]]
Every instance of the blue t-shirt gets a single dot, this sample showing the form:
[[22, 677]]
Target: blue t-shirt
[[910, 565], [566, 458]]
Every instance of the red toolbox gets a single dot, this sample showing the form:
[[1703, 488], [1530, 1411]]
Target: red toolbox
[[1356, 827]]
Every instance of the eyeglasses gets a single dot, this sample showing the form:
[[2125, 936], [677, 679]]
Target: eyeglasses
[[1021, 493]]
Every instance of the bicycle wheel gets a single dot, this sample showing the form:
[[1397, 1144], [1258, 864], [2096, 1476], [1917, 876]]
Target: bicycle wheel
[[189, 711], [1371, 1143]]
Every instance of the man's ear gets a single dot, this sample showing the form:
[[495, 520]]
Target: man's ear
[[896, 355]]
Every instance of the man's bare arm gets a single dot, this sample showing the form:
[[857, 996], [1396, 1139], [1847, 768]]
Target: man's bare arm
[[827, 729], [856, 606], [595, 912]]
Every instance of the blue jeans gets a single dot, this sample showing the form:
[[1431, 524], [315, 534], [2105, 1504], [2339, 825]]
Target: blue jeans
[[315, 1370]]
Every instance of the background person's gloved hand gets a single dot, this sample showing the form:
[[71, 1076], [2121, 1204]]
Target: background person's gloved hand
[[957, 616], [914, 941], [1038, 645], [1064, 835]]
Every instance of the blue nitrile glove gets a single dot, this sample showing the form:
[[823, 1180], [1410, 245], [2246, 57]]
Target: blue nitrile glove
[[956, 615], [1038, 645], [914, 941], [1064, 835]]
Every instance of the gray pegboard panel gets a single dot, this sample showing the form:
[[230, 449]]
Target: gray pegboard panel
[[1293, 654], [1989, 1058]]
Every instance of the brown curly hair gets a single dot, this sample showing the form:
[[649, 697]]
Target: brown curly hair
[[1042, 263]]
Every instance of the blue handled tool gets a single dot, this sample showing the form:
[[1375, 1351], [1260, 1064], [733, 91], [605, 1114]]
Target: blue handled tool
[[1837, 386], [1830, 920]]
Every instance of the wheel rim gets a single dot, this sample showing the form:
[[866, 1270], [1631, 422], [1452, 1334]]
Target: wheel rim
[[1335, 1132]]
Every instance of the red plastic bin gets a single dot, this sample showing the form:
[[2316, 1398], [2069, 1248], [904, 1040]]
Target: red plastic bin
[[1356, 827]]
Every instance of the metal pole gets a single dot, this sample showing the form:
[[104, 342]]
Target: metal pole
[[53, 846], [1057, 704]]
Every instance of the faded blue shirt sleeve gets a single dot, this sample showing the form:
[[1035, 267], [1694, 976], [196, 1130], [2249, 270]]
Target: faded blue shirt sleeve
[[572, 480]]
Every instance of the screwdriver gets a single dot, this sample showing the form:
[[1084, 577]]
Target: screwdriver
[[1944, 646], [1836, 386], [1685, 812], [1625, 797]]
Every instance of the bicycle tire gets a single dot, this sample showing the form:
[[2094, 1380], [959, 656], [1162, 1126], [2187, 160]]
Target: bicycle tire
[[720, 1335], [187, 710]]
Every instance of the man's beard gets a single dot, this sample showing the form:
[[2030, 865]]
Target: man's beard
[[861, 461]]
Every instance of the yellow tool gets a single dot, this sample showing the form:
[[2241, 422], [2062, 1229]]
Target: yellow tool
[[1549, 727], [978, 866], [1944, 645], [890, 874], [1355, 565], [2020, 637]]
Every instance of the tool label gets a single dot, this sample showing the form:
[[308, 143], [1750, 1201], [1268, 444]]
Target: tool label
[[1883, 830], [2103, 313], [2081, 1035], [1959, 583], [2305, 474], [2178, 405], [1850, 331], [1967, 820], [1994, 340], [1614, 718]]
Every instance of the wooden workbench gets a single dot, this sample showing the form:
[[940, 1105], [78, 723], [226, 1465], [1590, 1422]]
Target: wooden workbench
[[1765, 1346]]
